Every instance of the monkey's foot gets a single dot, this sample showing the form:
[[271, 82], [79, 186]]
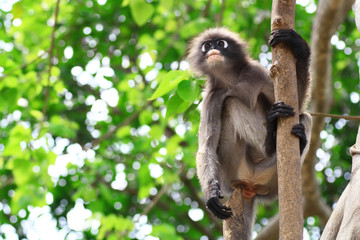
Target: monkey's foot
[[299, 131]]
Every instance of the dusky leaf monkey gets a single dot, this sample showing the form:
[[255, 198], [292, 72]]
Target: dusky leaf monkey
[[237, 134]]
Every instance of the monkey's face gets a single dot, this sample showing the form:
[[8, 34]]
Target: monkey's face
[[216, 50], [213, 51]]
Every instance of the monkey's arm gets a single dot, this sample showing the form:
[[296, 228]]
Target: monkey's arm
[[301, 51], [208, 167]]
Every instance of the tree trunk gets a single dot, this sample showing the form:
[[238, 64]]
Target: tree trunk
[[283, 73], [344, 221]]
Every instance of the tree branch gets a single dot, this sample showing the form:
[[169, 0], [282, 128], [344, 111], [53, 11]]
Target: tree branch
[[346, 117], [112, 131], [221, 13], [194, 195], [51, 55]]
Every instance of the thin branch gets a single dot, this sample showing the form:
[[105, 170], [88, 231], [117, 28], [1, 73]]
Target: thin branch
[[221, 14], [346, 117], [24, 65], [195, 196], [111, 132], [155, 201], [51, 55], [205, 13]]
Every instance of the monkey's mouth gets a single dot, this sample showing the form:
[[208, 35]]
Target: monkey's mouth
[[214, 56]]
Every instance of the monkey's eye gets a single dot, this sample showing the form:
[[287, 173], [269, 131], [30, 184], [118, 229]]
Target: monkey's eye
[[205, 47], [222, 43]]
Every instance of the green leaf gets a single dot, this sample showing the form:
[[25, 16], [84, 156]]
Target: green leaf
[[36, 114], [173, 144], [63, 127], [141, 11], [18, 134], [123, 132], [11, 81], [145, 181], [188, 90], [112, 222], [169, 82], [156, 132], [165, 231], [172, 105], [125, 3], [167, 4], [145, 117], [183, 107]]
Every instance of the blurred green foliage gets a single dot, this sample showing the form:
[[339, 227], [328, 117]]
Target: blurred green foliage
[[91, 140]]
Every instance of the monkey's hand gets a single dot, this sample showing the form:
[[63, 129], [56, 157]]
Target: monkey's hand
[[218, 209], [278, 110], [213, 203], [299, 131], [292, 39]]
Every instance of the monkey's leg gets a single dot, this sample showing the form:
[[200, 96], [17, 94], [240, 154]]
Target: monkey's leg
[[299, 131]]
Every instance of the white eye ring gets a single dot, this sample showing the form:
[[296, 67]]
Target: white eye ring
[[223, 43], [206, 46]]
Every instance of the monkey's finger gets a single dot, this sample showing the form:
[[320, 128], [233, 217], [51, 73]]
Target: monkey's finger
[[281, 105], [280, 109], [222, 209], [286, 36], [298, 129], [226, 208], [274, 115]]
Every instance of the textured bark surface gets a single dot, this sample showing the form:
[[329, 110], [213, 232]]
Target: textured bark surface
[[234, 228], [283, 73], [344, 221]]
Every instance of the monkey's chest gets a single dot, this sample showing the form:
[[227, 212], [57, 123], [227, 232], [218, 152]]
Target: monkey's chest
[[241, 149], [242, 125]]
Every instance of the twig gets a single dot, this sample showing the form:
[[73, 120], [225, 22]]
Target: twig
[[111, 132], [346, 117], [51, 55], [221, 14], [154, 202], [201, 203], [207, 9], [24, 65]]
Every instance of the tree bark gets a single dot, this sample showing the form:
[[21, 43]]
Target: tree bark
[[344, 221], [236, 228], [283, 73]]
